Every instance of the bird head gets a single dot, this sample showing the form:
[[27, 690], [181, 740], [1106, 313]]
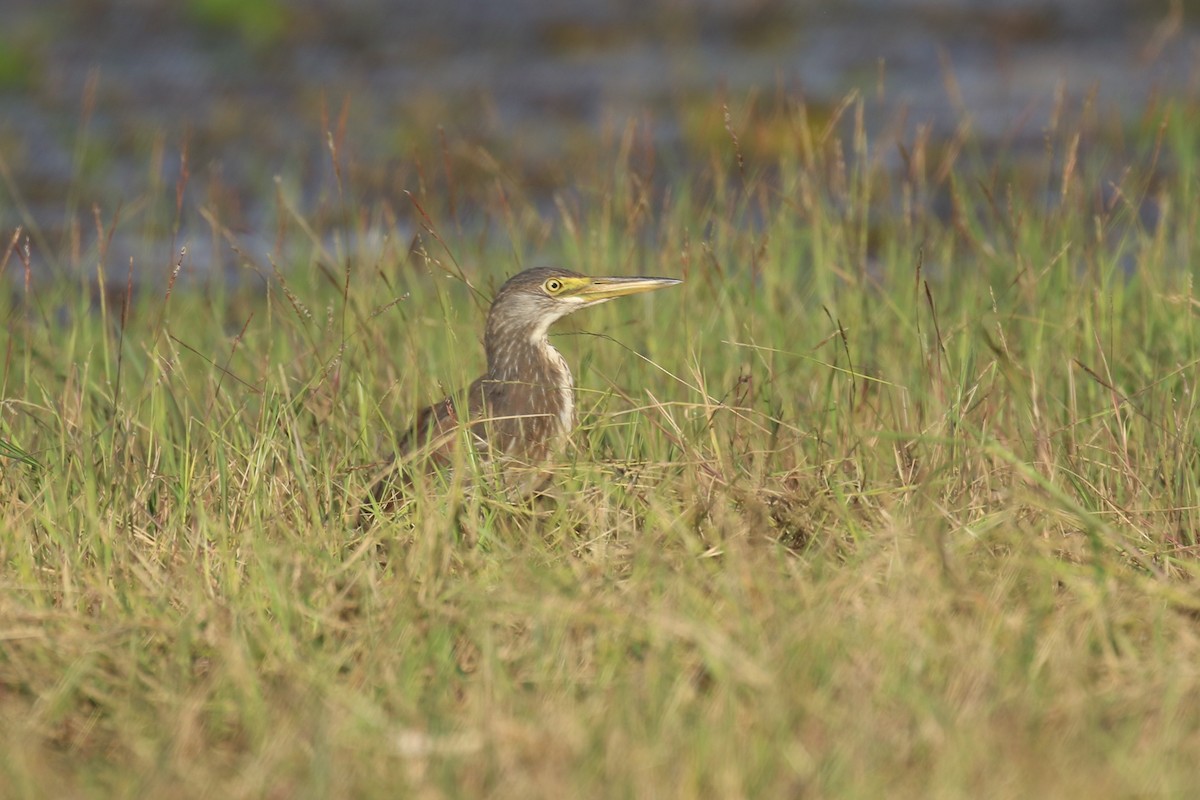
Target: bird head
[[531, 301]]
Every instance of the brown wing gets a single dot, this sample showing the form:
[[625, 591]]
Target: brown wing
[[429, 444]]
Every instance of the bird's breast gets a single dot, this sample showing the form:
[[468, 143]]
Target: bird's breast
[[530, 402], [566, 392]]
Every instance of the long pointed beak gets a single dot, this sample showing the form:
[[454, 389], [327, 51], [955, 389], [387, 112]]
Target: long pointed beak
[[601, 289]]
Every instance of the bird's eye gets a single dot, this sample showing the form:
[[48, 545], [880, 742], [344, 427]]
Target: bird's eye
[[554, 286]]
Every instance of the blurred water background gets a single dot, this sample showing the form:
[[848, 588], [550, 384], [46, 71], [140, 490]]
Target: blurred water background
[[101, 100]]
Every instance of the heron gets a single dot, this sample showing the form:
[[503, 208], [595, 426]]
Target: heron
[[520, 413]]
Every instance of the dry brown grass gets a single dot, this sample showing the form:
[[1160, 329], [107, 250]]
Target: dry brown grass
[[883, 502]]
